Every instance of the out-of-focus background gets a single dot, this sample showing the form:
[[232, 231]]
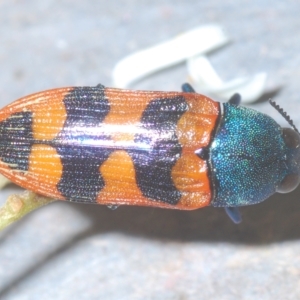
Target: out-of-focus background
[[68, 251]]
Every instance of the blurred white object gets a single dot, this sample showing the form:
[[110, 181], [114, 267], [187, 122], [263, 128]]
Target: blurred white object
[[205, 78], [190, 46], [191, 43]]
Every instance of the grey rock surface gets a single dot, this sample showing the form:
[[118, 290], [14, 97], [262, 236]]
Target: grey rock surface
[[68, 251]]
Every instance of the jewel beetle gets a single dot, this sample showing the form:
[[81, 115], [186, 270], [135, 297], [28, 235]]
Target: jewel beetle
[[178, 150]]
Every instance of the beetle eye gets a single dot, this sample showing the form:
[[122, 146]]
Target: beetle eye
[[289, 183], [291, 138]]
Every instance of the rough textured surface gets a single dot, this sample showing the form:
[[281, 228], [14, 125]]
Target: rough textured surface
[[66, 251]]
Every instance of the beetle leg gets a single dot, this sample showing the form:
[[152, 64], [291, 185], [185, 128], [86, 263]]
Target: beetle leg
[[235, 99], [187, 88], [234, 214]]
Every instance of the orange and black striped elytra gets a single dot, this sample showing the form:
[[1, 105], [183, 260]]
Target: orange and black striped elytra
[[164, 149]]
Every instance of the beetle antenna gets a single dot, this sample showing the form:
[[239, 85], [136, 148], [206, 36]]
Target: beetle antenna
[[284, 114]]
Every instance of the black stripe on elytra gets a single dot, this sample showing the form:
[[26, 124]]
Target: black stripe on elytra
[[158, 149], [86, 109], [16, 139]]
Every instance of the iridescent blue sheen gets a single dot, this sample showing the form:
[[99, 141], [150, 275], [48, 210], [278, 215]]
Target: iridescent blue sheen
[[248, 157]]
